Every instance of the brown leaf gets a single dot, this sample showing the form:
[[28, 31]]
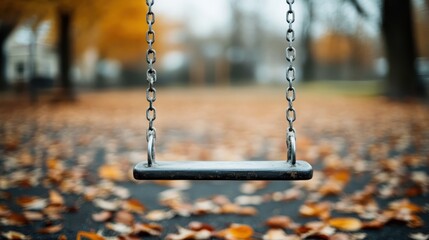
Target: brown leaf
[[147, 228], [15, 235], [62, 237], [320, 209], [133, 205], [279, 222], [102, 216], [32, 202], [124, 217], [50, 229], [55, 198], [346, 223], [4, 210], [405, 204], [33, 216], [15, 219], [197, 226]]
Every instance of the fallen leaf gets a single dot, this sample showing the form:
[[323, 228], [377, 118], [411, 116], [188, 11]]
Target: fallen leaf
[[107, 205], [405, 204], [320, 209], [111, 172], [147, 228], [62, 237], [186, 234], [419, 236], [346, 223], [55, 198], [119, 228], [32, 202], [159, 215], [14, 219], [33, 216], [124, 217], [102, 216], [278, 234], [50, 229], [279, 222], [237, 231], [82, 235], [249, 200], [15, 235], [197, 226], [251, 187], [4, 210], [133, 205]]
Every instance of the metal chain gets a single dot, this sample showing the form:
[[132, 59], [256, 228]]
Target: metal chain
[[290, 77], [290, 72], [151, 78]]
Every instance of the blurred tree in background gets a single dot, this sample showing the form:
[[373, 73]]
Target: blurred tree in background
[[116, 29], [245, 49]]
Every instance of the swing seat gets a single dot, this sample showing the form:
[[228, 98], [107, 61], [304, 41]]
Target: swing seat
[[224, 170]]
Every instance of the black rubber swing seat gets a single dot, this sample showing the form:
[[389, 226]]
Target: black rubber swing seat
[[224, 170]]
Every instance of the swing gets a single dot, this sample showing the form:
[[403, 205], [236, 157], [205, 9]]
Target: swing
[[291, 169]]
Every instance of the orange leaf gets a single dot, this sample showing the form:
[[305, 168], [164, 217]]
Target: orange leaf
[[279, 222], [111, 172], [321, 210], [50, 229], [55, 198], [346, 223], [81, 235], [15, 219], [405, 204], [240, 231], [134, 205]]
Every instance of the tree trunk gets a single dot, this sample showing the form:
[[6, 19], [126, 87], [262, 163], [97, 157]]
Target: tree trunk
[[65, 54], [5, 30], [402, 81], [308, 65]]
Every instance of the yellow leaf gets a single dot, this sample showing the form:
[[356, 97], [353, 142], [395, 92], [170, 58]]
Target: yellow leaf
[[346, 223]]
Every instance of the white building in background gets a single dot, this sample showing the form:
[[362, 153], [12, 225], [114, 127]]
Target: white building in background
[[28, 55]]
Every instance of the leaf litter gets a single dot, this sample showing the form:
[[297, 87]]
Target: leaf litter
[[367, 140]]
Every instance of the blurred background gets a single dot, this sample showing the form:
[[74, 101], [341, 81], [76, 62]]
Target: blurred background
[[70, 45]]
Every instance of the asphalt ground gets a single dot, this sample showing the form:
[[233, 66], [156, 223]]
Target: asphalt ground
[[109, 128]]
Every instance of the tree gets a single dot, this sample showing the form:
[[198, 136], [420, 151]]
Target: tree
[[117, 29], [400, 49], [5, 29]]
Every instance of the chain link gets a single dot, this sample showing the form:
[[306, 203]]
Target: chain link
[[151, 72], [290, 72]]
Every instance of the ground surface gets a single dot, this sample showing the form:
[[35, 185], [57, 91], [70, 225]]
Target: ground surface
[[66, 168]]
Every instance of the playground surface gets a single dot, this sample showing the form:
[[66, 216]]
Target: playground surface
[[66, 168]]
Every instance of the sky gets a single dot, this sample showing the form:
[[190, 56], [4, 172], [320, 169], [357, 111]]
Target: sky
[[207, 16]]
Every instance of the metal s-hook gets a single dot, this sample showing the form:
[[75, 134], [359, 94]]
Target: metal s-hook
[[151, 137], [291, 147]]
